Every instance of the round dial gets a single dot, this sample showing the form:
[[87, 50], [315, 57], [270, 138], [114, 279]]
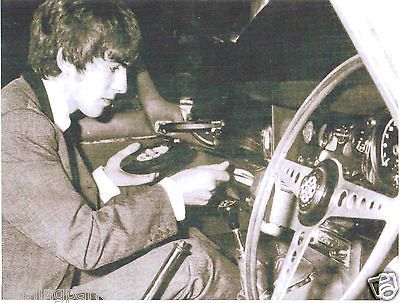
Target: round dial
[[389, 154]]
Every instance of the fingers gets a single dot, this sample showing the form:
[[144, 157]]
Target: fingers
[[197, 197], [143, 179], [197, 202], [217, 170], [221, 175], [208, 179], [119, 156], [204, 195], [220, 166], [125, 179], [130, 149]]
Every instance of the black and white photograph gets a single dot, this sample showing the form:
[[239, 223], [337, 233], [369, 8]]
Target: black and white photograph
[[200, 150]]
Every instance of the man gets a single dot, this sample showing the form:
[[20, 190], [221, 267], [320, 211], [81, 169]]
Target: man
[[58, 219]]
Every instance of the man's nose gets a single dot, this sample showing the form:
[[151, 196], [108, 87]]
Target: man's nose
[[120, 81]]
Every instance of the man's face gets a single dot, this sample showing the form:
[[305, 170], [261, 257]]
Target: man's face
[[97, 85]]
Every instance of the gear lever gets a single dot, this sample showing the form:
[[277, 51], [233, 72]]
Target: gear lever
[[230, 210]]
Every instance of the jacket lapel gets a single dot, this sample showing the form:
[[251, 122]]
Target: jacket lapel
[[69, 153]]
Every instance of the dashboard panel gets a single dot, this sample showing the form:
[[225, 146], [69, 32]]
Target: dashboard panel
[[365, 145]]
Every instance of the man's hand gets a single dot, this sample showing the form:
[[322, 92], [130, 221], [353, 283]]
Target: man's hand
[[198, 183], [121, 178]]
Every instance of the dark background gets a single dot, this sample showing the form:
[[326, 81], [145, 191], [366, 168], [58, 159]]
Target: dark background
[[289, 40]]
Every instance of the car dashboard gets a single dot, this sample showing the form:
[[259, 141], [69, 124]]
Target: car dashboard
[[253, 88]]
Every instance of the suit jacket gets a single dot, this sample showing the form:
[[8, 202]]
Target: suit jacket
[[49, 226]]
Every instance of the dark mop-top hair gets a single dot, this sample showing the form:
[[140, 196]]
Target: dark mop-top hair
[[84, 29]]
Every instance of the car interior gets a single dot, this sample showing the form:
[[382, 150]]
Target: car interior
[[280, 89]]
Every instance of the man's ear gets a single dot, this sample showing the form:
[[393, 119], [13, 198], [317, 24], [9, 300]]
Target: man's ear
[[64, 65]]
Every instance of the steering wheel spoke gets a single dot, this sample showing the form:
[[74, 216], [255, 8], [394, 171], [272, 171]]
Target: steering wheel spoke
[[321, 193], [295, 253], [353, 201], [291, 175]]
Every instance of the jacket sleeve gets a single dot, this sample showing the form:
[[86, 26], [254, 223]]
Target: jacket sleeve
[[40, 201]]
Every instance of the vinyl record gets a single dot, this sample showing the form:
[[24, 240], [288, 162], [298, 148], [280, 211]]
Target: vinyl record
[[163, 156]]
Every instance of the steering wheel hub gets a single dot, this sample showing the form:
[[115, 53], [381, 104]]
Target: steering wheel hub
[[315, 191], [319, 192], [308, 190]]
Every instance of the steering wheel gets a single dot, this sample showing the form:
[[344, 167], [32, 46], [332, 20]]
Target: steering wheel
[[321, 192]]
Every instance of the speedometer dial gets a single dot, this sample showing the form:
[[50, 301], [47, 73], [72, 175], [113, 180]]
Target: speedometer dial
[[389, 154]]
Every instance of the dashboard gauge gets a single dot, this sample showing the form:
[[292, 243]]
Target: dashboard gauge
[[389, 154], [389, 145], [308, 132]]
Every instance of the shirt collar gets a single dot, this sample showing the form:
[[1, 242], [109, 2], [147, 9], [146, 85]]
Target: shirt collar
[[55, 108], [59, 107]]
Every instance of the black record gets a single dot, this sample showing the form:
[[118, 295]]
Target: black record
[[163, 156]]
